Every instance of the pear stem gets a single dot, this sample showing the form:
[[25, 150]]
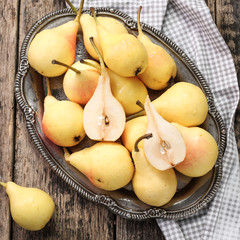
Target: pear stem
[[94, 15], [145, 136], [71, 6], [3, 184], [49, 93], [140, 104], [135, 115], [65, 65], [98, 53], [138, 21], [66, 154], [79, 13], [89, 64]]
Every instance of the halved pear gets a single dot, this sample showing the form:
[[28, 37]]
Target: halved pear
[[103, 116], [167, 147]]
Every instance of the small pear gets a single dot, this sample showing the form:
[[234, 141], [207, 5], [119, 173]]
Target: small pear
[[183, 103], [124, 89], [134, 129], [152, 186], [90, 30], [127, 90], [201, 151], [57, 43], [31, 208], [166, 148], [80, 86], [108, 165], [103, 117], [122, 52], [161, 66], [62, 121]]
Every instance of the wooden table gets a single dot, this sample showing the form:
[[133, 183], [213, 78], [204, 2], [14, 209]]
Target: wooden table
[[20, 161]]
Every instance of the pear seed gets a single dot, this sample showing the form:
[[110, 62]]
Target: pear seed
[[107, 120], [166, 144]]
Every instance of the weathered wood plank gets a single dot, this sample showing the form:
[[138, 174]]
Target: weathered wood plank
[[228, 23], [8, 43], [74, 217], [137, 230]]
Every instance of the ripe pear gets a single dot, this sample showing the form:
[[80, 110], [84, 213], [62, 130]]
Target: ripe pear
[[166, 148], [124, 89], [134, 129], [127, 90], [183, 103], [103, 116], [161, 66], [152, 186], [89, 29], [201, 151], [57, 43], [62, 121], [80, 86], [107, 165], [31, 208], [122, 52]]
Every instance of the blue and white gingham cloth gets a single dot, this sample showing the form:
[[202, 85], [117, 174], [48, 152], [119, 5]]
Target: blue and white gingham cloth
[[189, 24]]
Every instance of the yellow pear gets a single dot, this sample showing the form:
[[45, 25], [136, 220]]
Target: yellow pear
[[166, 148], [107, 165], [103, 116], [152, 186], [89, 30], [183, 103], [62, 121], [122, 52], [134, 129], [127, 90], [161, 66], [124, 89], [31, 208], [57, 43], [80, 84], [201, 151]]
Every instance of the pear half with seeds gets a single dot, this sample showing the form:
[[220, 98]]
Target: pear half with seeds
[[166, 148], [103, 116]]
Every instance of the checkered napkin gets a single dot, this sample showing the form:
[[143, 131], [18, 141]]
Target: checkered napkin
[[190, 25]]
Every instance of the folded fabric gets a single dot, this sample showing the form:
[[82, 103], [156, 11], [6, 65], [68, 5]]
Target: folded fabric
[[189, 24]]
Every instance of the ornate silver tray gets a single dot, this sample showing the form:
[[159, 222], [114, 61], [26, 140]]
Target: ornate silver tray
[[30, 90]]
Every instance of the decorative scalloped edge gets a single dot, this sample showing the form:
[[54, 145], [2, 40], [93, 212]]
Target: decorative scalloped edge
[[152, 212]]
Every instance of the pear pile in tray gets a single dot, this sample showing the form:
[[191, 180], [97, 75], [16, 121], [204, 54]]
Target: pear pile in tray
[[139, 141]]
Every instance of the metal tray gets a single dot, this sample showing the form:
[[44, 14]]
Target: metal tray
[[30, 90]]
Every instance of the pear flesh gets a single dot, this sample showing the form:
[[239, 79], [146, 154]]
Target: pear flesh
[[62, 122], [103, 116], [31, 208], [167, 147], [108, 165], [152, 186]]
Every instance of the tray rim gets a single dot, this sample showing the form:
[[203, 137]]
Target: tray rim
[[152, 212]]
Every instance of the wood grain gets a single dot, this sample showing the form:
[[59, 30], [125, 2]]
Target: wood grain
[[8, 43], [74, 216], [228, 23]]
